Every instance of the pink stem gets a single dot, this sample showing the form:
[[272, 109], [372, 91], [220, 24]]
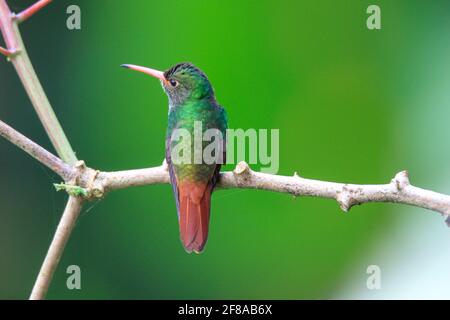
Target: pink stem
[[25, 14], [5, 52]]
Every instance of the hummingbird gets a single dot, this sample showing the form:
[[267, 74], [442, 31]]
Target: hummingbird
[[191, 99]]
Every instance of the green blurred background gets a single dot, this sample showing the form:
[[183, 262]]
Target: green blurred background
[[352, 105]]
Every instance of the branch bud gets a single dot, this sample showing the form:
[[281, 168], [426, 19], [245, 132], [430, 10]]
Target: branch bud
[[401, 180], [242, 168]]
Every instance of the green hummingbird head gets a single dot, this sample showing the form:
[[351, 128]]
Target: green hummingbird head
[[182, 83]]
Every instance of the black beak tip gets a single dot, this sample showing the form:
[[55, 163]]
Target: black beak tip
[[125, 66]]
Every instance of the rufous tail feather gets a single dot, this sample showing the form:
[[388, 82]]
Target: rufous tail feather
[[195, 203]]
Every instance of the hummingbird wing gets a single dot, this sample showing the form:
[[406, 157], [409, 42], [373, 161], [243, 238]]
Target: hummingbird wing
[[173, 179]]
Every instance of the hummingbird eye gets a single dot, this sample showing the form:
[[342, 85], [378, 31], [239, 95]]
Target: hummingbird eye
[[173, 83]]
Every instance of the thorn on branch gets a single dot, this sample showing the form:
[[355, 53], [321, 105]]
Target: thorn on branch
[[5, 52], [27, 13], [8, 53], [242, 168], [401, 180], [80, 164], [345, 199], [242, 173]]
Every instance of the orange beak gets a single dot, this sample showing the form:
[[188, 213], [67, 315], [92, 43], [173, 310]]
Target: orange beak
[[151, 72]]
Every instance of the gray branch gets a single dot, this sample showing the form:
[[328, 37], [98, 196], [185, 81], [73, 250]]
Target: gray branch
[[399, 190], [54, 253], [97, 183], [36, 151]]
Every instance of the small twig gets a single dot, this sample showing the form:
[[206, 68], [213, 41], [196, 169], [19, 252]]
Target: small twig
[[25, 14], [5, 52], [56, 248], [36, 151]]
